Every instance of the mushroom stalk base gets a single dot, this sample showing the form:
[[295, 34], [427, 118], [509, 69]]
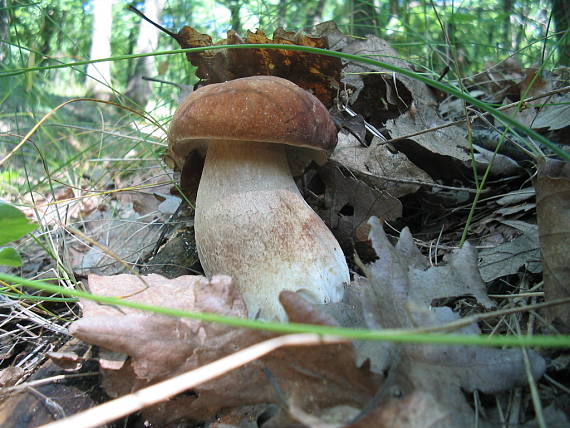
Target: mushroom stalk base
[[253, 224]]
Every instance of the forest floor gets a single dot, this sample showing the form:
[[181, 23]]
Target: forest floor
[[470, 214]]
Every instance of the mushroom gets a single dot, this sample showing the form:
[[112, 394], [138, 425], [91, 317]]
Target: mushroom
[[251, 221]]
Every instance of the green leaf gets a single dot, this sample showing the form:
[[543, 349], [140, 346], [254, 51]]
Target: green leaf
[[13, 224], [9, 257]]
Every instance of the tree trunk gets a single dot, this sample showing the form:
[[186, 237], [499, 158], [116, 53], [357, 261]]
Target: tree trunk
[[507, 11], [281, 12], [49, 27], [364, 17], [138, 89], [316, 15], [4, 26], [561, 14], [235, 21], [98, 83]]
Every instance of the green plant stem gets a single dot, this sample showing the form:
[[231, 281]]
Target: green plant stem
[[393, 335], [480, 186], [507, 120]]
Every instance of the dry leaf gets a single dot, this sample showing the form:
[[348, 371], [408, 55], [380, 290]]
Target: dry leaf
[[44, 402], [121, 230], [501, 165], [399, 292], [552, 416], [500, 80], [168, 342], [69, 361], [378, 166], [348, 203], [555, 115], [403, 106], [161, 346], [10, 375], [507, 258], [417, 410], [316, 73], [553, 215], [147, 199]]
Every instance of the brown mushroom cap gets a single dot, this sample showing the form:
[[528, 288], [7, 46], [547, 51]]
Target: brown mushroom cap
[[258, 108]]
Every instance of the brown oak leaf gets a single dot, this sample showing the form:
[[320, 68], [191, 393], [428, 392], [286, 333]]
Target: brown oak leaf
[[160, 346]]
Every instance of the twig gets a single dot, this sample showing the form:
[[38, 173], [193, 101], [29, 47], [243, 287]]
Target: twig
[[409, 181], [464, 322], [160, 27], [40, 382], [164, 390]]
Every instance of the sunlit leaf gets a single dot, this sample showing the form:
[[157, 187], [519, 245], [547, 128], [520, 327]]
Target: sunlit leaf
[[13, 224], [9, 257]]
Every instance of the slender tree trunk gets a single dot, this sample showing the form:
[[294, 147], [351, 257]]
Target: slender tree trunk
[[561, 14], [281, 12], [235, 21], [47, 31], [98, 82], [4, 26], [364, 17], [138, 89], [386, 11], [507, 11], [315, 15]]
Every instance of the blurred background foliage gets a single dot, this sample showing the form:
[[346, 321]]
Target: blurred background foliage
[[465, 36], [481, 32]]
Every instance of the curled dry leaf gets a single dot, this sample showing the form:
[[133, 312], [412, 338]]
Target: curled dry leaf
[[402, 106], [161, 346], [553, 215], [69, 361], [316, 73]]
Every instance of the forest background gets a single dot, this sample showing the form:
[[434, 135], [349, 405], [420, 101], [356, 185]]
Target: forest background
[[479, 33]]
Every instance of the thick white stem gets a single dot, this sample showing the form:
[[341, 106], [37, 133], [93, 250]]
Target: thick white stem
[[253, 224]]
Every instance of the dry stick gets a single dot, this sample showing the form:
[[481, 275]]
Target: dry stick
[[464, 322], [409, 180], [164, 390], [459, 122], [45, 381]]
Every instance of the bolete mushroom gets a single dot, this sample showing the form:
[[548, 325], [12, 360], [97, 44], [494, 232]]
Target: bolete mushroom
[[251, 221]]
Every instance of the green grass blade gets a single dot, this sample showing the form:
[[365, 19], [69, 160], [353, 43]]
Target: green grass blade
[[397, 336]]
